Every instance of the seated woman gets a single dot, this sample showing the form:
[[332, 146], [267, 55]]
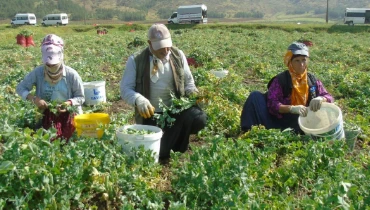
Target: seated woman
[[288, 96]]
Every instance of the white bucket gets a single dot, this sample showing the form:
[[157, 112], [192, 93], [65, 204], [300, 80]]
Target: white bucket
[[149, 141], [94, 92], [327, 122]]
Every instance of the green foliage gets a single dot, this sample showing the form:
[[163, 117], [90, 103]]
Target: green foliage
[[166, 118], [131, 16], [164, 13], [82, 28], [110, 9], [134, 26], [26, 33], [261, 169], [106, 14], [253, 14], [136, 131], [55, 105], [42, 8], [136, 43], [213, 14], [50, 175]]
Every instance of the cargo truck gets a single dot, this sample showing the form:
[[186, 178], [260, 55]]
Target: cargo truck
[[189, 14]]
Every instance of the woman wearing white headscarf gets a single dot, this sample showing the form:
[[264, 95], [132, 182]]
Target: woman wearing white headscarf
[[54, 81]]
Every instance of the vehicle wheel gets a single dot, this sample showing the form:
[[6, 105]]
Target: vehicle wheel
[[192, 22], [27, 23], [351, 24], [59, 24], [170, 22], [43, 24]]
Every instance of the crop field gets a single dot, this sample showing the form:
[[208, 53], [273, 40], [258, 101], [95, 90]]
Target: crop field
[[224, 169]]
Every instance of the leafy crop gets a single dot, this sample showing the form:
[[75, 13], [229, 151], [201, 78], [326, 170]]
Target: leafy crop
[[54, 106], [225, 169], [136, 131], [166, 118]]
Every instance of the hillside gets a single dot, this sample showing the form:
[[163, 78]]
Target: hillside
[[161, 9], [228, 7]]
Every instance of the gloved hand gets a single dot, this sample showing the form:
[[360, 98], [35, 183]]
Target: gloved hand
[[299, 109], [144, 107], [315, 103]]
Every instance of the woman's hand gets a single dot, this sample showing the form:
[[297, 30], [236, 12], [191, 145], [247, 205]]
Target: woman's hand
[[40, 103], [315, 103], [63, 107], [299, 109]]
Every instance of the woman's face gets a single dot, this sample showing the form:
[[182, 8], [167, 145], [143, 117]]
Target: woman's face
[[300, 64]]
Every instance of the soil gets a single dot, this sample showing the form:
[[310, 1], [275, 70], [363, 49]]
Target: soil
[[120, 106]]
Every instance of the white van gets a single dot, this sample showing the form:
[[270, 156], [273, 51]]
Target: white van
[[55, 19], [24, 19], [354, 16]]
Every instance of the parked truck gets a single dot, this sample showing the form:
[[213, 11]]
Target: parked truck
[[189, 14]]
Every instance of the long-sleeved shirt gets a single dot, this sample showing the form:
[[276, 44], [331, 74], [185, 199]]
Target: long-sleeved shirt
[[73, 83], [275, 96], [162, 88]]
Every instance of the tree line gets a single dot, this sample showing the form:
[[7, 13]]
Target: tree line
[[140, 8], [8, 9]]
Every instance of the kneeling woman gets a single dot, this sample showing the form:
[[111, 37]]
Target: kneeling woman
[[289, 95]]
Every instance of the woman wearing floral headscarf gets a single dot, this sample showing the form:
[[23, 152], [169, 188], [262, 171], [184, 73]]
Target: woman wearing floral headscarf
[[289, 95], [54, 82]]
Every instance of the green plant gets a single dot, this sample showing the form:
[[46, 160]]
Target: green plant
[[136, 43], [136, 131], [177, 106], [26, 33]]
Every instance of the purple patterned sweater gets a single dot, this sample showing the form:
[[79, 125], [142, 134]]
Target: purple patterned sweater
[[275, 97]]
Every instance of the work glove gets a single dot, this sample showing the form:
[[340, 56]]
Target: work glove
[[144, 107], [200, 100], [315, 103], [299, 109]]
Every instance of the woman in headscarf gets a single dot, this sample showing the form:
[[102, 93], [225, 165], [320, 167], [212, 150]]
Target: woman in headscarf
[[289, 95], [55, 82]]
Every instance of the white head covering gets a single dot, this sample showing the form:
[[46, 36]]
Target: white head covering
[[52, 49]]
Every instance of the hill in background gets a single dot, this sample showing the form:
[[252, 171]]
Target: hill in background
[[131, 10]]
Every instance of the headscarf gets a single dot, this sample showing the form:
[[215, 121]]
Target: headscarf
[[53, 74], [157, 66], [52, 48], [299, 94]]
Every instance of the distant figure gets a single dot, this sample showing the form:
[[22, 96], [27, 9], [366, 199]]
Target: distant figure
[[54, 82], [288, 96], [150, 76]]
